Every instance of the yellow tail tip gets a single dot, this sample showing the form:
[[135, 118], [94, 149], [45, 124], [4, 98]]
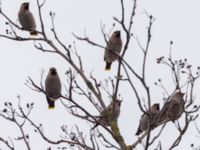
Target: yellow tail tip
[[50, 107], [108, 66], [106, 69], [33, 33]]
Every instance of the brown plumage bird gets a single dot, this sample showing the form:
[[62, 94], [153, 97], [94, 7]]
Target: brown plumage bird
[[113, 46], [174, 108], [26, 18], [144, 121], [110, 114], [52, 87]]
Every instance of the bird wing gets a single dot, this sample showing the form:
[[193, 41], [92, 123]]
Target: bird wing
[[164, 110]]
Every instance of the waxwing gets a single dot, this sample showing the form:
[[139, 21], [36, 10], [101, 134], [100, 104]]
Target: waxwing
[[113, 46], [52, 87], [110, 114], [26, 18], [153, 112], [174, 108]]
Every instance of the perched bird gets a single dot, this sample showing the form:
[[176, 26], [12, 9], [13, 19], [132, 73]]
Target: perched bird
[[110, 114], [144, 121], [26, 18], [52, 87], [174, 108], [113, 46]]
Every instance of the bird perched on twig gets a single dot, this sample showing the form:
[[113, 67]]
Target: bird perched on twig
[[113, 47], [26, 18], [52, 87], [145, 121], [110, 114], [174, 108]]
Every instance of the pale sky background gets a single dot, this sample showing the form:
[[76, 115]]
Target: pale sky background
[[176, 20]]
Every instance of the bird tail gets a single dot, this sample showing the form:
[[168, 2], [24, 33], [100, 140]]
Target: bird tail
[[108, 66], [33, 33], [51, 103]]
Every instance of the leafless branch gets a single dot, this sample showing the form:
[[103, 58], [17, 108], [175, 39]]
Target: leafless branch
[[9, 145]]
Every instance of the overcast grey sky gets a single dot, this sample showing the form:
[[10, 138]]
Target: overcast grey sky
[[176, 20]]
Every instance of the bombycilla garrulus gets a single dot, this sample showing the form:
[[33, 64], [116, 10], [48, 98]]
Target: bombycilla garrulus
[[26, 18], [174, 108], [113, 47], [110, 114], [148, 118], [52, 87]]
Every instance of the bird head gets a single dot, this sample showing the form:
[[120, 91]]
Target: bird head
[[118, 102], [178, 95], [25, 5], [117, 33], [157, 106], [53, 71]]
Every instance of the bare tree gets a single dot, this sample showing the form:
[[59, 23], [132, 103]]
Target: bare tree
[[79, 84]]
